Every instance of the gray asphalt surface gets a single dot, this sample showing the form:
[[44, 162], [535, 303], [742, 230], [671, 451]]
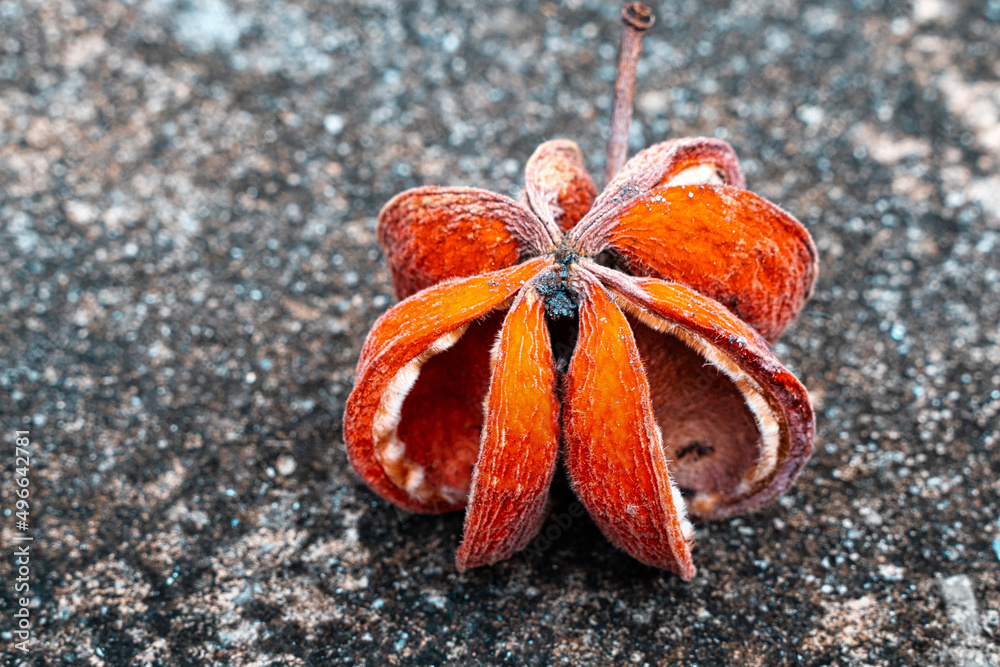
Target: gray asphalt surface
[[188, 270]]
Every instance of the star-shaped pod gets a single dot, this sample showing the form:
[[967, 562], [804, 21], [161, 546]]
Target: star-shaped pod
[[627, 331]]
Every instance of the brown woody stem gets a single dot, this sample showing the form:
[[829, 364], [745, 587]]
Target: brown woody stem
[[637, 18]]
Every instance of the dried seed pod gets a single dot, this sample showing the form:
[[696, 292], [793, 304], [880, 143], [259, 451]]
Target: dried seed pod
[[640, 315]]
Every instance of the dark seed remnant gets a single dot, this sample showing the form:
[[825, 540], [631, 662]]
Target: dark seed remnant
[[696, 448], [560, 299]]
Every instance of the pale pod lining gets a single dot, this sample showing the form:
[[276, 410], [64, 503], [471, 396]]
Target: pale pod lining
[[702, 174], [389, 450]]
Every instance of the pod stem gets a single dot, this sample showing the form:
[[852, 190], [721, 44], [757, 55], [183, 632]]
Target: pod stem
[[637, 19]]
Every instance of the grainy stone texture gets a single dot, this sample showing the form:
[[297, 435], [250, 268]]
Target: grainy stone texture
[[188, 270]]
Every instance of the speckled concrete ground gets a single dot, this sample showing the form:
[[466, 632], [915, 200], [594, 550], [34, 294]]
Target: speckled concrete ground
[[188, 270]]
